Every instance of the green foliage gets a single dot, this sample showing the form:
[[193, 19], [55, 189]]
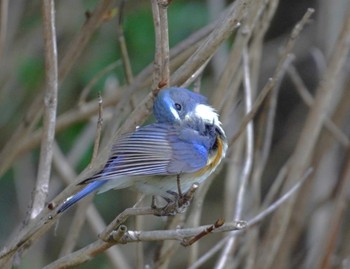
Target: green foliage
[[185, 18], [31, 72]]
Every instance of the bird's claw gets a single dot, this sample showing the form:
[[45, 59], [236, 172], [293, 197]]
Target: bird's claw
[[178, 205]]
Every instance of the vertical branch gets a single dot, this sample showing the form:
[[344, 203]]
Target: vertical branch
[[3, 25], [231, 243], [161, 76], [337, 216], [75, 49], [327, 90], [50, 103], [98, 128], [163, 16], [122, 44]]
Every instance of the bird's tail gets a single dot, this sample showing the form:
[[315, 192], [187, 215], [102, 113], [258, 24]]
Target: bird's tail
[[91, 187]]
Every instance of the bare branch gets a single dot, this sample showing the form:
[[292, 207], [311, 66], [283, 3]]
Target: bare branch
[[161, 62], [12, 148], [309, 100], [306, 144], [252, 222], [100, 246], [122, 45], [3, 26], [247, 167], [50, 102]]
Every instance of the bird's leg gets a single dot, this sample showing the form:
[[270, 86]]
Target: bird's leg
[[153, 203], [178, 186], [177, 205], [168, 210]]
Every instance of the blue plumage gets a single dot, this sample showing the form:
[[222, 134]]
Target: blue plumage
[[93, 186], [182, 141]]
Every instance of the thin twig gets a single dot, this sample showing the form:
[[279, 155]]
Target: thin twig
[[50, 102], [48, 218], [13, 148], [100, 246], [337, 217], [122, 45], [188, 242], [207, 49], [309, 136], [247, 167], [95, 79], [278, 73], [92, 216], [3, 26], [234, 58], [309, 100], [252, 222], [98, 128], [178, 54], [79, 217], [263, 130], [135, 118]]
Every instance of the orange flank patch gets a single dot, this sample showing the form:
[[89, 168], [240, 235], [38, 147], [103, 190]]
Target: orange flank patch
[[213, 160]]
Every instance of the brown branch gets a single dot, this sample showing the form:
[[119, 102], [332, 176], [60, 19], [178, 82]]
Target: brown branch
[[28, 140], [123, 236], [327, 90], [94, 80], [161, 72], [3, 26], [50, 103], [49, 217], [337, 217], [253, 221], [248, 162], [309, 100], [225, 26], [122, 45], [12, 148], [278, 73]]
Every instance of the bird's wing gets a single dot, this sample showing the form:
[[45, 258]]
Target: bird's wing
[[156, 149]]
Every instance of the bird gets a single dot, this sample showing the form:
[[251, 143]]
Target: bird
[[186, 140]]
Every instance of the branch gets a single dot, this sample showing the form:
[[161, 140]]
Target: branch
[[124, 236], [13, 148], [207, 49], [45, 220], [309, 100], [326, 92], [50, 102], [161, 74], [248, 163], [252, 222]]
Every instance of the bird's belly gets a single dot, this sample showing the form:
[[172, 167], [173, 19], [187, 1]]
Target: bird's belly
[[166, 186]]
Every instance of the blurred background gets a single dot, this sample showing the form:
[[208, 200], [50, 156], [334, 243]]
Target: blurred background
[[99, 69]]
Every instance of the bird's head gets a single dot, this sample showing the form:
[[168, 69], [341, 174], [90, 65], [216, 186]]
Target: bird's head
[[182, 106], [174, 105]]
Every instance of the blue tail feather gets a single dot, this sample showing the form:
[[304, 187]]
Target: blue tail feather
[[91, 187]]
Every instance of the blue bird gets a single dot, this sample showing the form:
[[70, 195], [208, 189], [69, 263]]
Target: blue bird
[[187, 140]]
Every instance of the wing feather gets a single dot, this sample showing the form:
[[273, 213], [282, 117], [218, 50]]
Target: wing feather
[[155, 149]]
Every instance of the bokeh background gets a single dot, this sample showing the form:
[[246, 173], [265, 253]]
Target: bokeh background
[[22, 78]]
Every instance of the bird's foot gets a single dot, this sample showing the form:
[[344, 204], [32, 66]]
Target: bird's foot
[[177, 205]]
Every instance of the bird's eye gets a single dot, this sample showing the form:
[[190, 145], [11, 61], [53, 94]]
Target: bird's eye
[[178, 106]]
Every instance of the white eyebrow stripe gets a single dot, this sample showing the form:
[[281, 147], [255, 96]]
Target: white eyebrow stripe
[[207, 113], [174, 112]]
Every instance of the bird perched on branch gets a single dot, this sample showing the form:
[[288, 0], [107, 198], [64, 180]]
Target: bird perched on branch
[[184, 146]]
